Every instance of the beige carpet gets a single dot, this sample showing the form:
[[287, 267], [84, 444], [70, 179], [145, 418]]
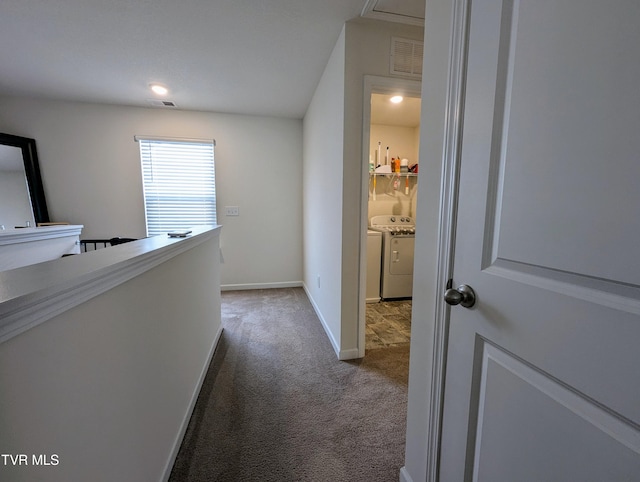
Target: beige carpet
[[277, 405]]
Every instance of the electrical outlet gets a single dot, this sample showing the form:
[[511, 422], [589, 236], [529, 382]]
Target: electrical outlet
[[318, 281], [232, 210]]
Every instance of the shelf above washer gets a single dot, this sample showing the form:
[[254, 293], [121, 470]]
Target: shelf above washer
[[401, 174]]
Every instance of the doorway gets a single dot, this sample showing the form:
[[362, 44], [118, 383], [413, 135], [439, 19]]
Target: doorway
[[395, 126]]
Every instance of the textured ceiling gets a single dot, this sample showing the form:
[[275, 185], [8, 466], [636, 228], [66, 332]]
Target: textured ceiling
[[261, 57]]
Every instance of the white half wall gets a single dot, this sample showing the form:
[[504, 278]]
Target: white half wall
[[108, 385], [91, 173]]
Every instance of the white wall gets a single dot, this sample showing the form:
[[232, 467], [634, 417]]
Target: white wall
[[91, 174], [323, 204], [368, 51], [333, 170], [403, 141], [388, 199], [368, 45]]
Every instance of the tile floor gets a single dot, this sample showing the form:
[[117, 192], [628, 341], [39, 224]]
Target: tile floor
[[388, 323]]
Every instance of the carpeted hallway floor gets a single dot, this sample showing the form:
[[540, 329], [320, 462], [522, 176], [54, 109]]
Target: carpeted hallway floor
[[277, 405]]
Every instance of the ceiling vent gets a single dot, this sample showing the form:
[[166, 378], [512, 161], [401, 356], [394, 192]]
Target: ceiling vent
[[161, 103], [406, 57]]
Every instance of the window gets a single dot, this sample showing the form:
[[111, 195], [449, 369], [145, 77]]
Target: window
[[179, 183]]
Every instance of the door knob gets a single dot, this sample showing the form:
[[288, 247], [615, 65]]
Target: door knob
[[462, 295]]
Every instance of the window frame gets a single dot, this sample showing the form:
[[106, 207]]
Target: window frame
[[178, 177]]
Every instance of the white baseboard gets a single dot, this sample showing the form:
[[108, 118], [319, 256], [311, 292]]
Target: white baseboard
[[350, 354], [334, 344], [404, 475], [260, 286], [192, 404]]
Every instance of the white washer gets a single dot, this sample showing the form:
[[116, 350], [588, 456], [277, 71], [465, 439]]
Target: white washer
[[398, 241], [374, 256]]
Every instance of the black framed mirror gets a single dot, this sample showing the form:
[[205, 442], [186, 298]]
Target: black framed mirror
[[32, 175]]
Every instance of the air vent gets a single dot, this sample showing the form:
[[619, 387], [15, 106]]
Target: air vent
[[161, 103], [406, 57]]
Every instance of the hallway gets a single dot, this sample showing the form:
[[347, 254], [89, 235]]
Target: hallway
[[277, 405]]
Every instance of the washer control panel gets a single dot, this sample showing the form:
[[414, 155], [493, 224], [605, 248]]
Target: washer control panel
[[393, 224]]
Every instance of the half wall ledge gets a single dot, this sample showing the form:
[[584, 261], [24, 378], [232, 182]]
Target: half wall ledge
[[34, 294]]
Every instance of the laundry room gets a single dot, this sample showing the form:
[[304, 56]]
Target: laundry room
[[393, 185]]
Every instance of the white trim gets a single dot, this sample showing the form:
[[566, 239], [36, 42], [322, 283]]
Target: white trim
[[404, 475], [192, 405], [378, 84], [37, 293], [334, 343], [261, 286], [593, 413], [368, 11], [447, 225], [594, 290], [23, 235], [137, 138], [349, 354]]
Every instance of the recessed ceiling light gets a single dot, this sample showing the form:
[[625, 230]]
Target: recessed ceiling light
[[396, 99], [159, 89]]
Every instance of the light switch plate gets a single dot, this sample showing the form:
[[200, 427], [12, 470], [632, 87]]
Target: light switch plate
[[232, 210]]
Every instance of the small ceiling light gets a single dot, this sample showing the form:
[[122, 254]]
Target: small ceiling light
[[396, 99], [159, 89]]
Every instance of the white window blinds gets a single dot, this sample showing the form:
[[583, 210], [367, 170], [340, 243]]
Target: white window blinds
[[179, 183]]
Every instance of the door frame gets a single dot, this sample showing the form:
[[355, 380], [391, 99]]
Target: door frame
[[373, 84], [451, 157]]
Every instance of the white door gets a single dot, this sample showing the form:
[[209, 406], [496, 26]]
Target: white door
[[543, 373]]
